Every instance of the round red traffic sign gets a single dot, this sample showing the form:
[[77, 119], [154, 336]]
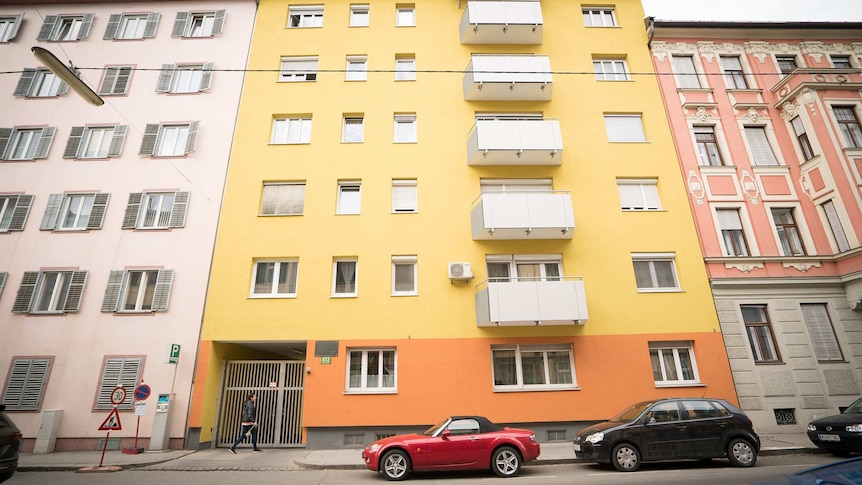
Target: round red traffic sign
[[118, 395], [142, 392]]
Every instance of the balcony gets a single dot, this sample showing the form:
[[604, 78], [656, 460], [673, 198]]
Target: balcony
[[532, 302], [515, 142], [508, 78], [522, 215], [494, 22]]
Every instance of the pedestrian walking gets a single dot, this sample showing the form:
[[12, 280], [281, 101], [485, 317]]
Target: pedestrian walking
[[249, 423]]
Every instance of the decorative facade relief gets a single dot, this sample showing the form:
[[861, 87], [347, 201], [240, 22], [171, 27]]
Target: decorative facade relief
[[752, 116], [695, 187], [802, 267], [701, 114], [789, 110], [758, 49], [749, 187], [857, 47], [814, 49], [659, 50], [744, 267]]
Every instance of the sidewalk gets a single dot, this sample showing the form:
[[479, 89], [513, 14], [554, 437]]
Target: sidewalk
[[300, 458]]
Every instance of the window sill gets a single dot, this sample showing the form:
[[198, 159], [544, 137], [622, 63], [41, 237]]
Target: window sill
[[643, 210], [352, 295], [405, 212], [853, 151], [359, 392], [271, 297], [777, 362], [660, 290], [537, 389], [134, 313], [663, 385], [744, 90], [404, 294], [278, 215], [629, 141]]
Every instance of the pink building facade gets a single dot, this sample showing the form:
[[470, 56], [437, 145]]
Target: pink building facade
[[766, 121]]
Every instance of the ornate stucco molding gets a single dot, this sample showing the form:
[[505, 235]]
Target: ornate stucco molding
[[815, 49], [752, 116], [801, 266], [789, 110], [744, 267], [758, 49]]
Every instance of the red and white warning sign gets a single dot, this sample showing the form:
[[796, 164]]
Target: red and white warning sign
[[112, 422]]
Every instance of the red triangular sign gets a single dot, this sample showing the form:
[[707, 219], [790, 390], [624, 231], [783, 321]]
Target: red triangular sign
[[112, 422]]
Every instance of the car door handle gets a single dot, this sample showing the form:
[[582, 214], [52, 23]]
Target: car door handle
[[722, 425], [683, 427], [474, 438]]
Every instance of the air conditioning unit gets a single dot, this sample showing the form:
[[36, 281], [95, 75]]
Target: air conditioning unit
[[460, 271]]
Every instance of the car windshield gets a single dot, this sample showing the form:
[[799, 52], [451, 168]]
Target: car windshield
[[433, 429], [855, 408], [630, 413]]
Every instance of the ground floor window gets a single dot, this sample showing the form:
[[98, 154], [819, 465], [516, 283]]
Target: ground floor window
[[533, 367], [371, 370], [673, 363]]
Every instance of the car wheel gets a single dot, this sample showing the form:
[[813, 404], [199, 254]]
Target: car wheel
[[5, 476], [741, 453], [506, 462], [626, 458], [395, 465]]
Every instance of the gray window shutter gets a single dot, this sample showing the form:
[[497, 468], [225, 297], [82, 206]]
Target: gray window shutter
[[97, 214], [5, 136], [218, 24], [826, 347], [85, 26], [47, 27], [117, 141], [74, 142], [179, 209], [162, 292], [113, 26], [133, 207], [207, 76], [165, 78], [107, 86], [3, 276], [148, 145], [45, 142], [26, 384], [193, 136], [76, 291], [19, 215], [112, 291], [25, 292], [52, 212], [152, 24], [14, 31], [119, 372], [25, 83], [180, 24]]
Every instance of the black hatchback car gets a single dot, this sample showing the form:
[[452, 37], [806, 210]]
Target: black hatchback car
[[840, 434], [10, 445], [670, 429]]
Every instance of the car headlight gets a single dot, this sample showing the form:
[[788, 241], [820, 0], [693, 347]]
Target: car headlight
[[811, 427], [533, 437], [595, 438], [373, 447], [855, 428]]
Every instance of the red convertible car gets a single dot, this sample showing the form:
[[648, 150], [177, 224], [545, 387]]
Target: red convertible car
[[456, 443]]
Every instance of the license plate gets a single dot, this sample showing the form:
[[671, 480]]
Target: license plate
[[829, 437], [577, 447]]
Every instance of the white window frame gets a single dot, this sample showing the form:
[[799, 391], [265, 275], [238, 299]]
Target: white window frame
[[734, 229], [276, 267], [132, 26], [834, 220], [40, 83], [75, 211], [169, 139], [686, 79], [63, 296], [356, 68], [625, 128], [363, 355], [9, 25], [734, 78], [291, 131], [851, 133], [353, 128], [360, 15], [785, 239], [304, 16], [611, 69], [547, 265], [66, 28], [821, 330], [198, 24], [119, 371], [355, 283], [405, 196], [26, 383], [14, 209], [404, 128], [26, 143], [651, 260], [98, 142], [405, 15], [116, 77], [638, 195], [410, 264], [543, 350], [285, 198], [347, 203], [153, 210], [405, 68], [118, 290], [599, 17], [298, 69], [673, 350], [185, 78]]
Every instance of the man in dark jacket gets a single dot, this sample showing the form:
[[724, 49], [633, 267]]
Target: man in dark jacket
[[249, 423]]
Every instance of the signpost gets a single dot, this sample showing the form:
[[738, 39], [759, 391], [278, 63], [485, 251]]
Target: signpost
[[118, 395], [141, 393]]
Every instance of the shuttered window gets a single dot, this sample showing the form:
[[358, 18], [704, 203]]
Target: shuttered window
[[9, 27], [625, 128], [686, 75], [283, 199], [298, 69], [119, 371], [198, 24], [25, 143], [835, 226], [14, 210], [65, 27], [40, 83], [822, 334], [138, 291], [25, 386], [116, 80], [169, 140], [185, 78], [156, 210], [732, 232], [404, 196], [74, 212], [95, 142], [132, 26], [50, 292], [761, 151], [638, 195]]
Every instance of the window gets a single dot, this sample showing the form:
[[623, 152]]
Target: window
[[50, 292], [25, 143], [786, 64], [132, 26], [707, 146], [65, 27], [625, 128], [404, 276], [137, 291], [25, 386], [305, 16], [359, 15], [352, 129], [733, 75], [357, 68], [371, 370], [198, 24], [638, 195], [840, 62], [156, 210], [732, 233], [761, 150], [673, 363], [95, 142], [599, 17], [802, 138], [759, 332], [40, 83], [405, 128], [685, 73], [275, 278], [74, 212], [9, 27], [834, 221], [404, 196], [849, 125], [185, 78], [822, 333], [405, 67], [405, 16], [530, 367], [611, 70], [344, 277], [298, 69], [119, 371], [116, 80], [169, 140], [283, 199], [788, 232], [655, 272], [13, 211], [349, 197], [3, 276], [291, 131], [513, 268]]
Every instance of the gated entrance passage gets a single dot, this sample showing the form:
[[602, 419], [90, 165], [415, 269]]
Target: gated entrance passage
[[278, 385]]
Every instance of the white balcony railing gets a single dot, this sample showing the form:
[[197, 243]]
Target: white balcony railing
[[494, 22], [522, 215], [531, 302], [513, 77], [515, 142]]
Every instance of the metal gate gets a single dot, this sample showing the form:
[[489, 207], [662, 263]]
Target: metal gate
[[278, 385]]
